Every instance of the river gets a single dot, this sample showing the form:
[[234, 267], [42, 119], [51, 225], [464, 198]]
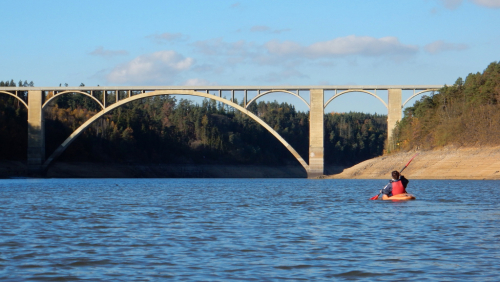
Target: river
[[247, 230]]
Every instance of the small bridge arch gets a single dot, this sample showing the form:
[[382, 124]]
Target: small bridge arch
[[276, 90], [70, 92], [416, 94], [354, 90], [15, 96], [106, 110]]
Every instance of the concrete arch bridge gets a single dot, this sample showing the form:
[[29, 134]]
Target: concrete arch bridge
[[110, 98]]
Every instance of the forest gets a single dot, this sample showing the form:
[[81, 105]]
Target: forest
[[466, 113], [168, 130]]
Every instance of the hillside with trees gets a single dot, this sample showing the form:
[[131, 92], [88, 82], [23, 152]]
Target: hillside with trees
[[464, 114], [165, 130]]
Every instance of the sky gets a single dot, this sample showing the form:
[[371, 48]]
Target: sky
[[245, 43]]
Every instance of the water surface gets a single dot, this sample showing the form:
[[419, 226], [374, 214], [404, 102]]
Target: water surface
[[246, 229]]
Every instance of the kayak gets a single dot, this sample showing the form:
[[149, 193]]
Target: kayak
[[401, 197]]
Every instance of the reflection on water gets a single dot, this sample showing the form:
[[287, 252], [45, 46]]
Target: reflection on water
[[246, 229]]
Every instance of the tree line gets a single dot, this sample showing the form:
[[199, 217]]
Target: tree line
[[164, 129], [466, 113], [11, 83]]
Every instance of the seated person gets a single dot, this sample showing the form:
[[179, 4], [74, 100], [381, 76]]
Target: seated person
[[396, 186]]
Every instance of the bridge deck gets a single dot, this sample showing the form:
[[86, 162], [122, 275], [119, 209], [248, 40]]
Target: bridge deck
[[224, 87]]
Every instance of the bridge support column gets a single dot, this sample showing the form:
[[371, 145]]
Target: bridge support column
[[316, 134], [36, 132], [394, 114]]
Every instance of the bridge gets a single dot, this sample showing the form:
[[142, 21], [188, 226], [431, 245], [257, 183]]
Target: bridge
[[36, 99]]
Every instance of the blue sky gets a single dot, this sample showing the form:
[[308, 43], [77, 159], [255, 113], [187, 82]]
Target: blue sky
[[249, 43]]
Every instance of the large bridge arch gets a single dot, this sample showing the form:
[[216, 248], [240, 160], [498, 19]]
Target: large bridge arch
[[106, 110], [354, 90], [282, 91], [15, 96], [69, 92]]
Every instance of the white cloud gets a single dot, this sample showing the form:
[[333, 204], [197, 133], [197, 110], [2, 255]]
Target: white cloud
[[158, 67], [495, 4], [343, 46], [100, 51], [441, 46]]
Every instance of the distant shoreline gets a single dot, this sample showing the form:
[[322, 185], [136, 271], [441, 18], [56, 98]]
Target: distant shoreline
[[475, 163], [18, 169]]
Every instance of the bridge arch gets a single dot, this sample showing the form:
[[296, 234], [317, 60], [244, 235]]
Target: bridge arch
[[283, 91], [416, 94], [72, 91], [80, 129], [15, 96], [355, 90]]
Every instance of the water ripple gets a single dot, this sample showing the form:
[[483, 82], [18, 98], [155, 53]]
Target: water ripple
[[245, 229]]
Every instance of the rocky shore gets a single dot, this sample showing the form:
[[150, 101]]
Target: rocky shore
[[445, 163]]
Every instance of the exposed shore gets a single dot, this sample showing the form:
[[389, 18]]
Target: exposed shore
[[445, 163]]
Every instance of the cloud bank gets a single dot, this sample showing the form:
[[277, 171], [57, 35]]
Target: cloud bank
[[343, 46], [281, 60], [158, 67]]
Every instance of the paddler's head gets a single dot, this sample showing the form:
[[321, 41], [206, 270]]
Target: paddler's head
[[395, 175]]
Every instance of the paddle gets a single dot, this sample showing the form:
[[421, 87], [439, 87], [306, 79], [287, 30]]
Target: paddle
[[376, 197]]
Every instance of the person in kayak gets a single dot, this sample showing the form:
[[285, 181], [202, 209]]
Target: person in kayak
[[396, 186]]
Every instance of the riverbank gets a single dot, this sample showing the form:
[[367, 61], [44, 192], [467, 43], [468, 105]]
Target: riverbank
[[18, 169], [100, 170], [445, 163]]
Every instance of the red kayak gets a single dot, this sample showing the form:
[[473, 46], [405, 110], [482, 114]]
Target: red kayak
[[401, 197]]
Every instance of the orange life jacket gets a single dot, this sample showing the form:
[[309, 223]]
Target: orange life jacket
[[398, 188]]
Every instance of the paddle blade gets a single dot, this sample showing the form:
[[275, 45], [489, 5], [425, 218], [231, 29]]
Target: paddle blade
[[374, 197]]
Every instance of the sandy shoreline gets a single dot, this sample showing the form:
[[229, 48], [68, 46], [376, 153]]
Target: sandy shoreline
[[445, 163]]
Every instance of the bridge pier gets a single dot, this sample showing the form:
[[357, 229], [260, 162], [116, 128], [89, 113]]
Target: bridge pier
[[316, 134], [394, 114], [36, 133]]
